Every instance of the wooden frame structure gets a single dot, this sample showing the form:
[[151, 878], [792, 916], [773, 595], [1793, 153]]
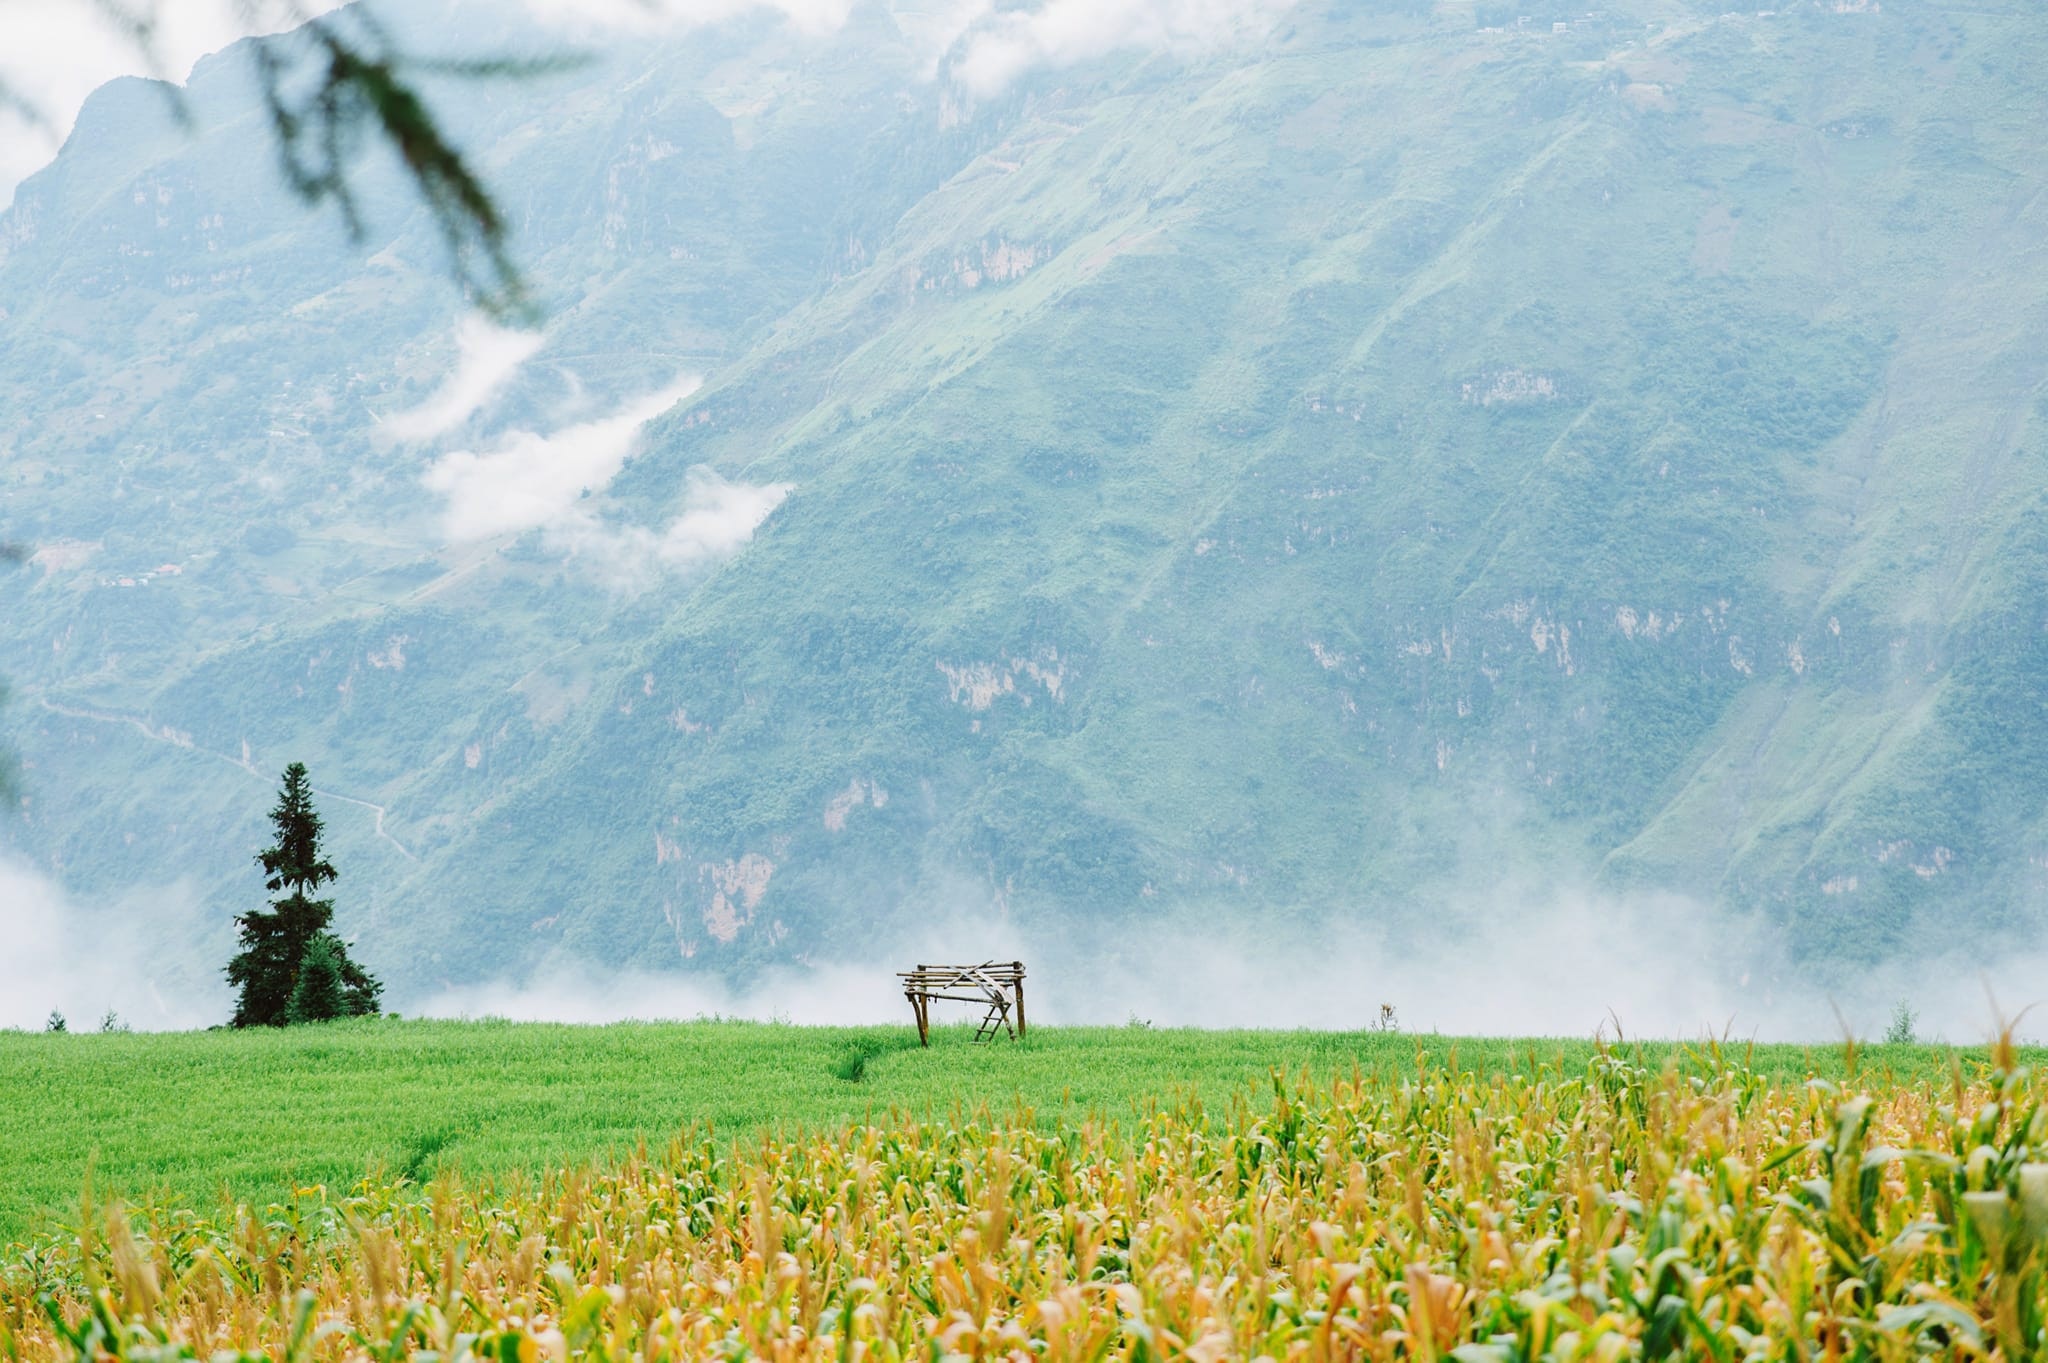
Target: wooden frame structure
[[996, 985]]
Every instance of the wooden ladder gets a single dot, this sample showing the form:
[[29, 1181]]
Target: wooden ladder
[[998, 1019]]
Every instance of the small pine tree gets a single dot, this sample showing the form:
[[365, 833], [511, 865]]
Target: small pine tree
[[274, 941], [110, 1021], [319, 995], [56, 1023], [361, 992]]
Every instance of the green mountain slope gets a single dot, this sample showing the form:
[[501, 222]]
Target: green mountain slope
[[1320, 482]]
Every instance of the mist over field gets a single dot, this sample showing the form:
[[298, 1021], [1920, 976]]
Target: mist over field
[[1587, 967], [1577, 964], [1261, 510], [83, 960]]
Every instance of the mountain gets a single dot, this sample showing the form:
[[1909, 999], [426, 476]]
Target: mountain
[[1353, 471]]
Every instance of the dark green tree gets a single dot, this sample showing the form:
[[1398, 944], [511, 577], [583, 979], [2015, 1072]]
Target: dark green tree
[[274, 941], [362, 992], [319, 995]]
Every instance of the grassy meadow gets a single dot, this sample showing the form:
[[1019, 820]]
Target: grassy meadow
[[187, 1118], [1091, 1194]]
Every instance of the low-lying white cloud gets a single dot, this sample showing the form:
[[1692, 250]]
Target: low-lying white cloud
[[1003, 43], [528, 480], [487, 356], [1551, 964], [1557, 962], [81, 961], [718, 517], [1562, 965]]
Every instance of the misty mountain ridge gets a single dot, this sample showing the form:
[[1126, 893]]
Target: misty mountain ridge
[[1375, 469]]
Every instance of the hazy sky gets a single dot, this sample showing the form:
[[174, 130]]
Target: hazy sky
[[53, 53]]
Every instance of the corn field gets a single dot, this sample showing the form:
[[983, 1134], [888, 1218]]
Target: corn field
[[1613, 1211]]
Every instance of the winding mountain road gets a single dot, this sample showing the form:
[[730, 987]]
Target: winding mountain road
[[179, 739]]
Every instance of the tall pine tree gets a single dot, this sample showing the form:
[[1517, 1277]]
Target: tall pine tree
[[274, 940]]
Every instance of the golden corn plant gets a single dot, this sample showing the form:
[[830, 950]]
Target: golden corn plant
[[1622, 1212]]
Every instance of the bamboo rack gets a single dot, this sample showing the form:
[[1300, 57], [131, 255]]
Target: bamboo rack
[[997, 986]]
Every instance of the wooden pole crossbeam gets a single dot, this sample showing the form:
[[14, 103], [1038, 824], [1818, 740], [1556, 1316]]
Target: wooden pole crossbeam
[[961, 975], [999, 985]]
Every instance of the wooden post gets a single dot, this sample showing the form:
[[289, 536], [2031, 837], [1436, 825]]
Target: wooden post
[[1020, 998]]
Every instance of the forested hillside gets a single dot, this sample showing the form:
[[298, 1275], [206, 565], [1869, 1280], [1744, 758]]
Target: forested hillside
[[1332, 477]]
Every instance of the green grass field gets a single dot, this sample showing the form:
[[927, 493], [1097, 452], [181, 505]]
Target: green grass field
[[187, 1118]]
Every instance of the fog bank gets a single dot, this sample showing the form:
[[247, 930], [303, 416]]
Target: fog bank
[[1515, 963], [62, 954], [1553, 964]]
